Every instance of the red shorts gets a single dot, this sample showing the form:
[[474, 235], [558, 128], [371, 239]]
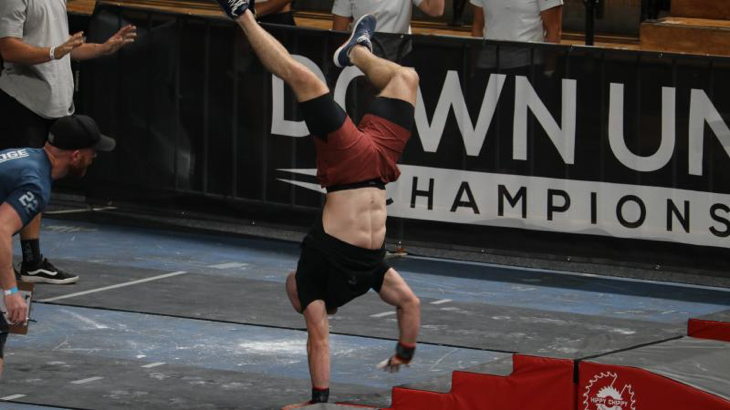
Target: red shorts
[[348, 154]]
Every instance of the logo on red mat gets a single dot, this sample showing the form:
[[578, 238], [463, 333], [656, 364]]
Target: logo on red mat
[[604, 393]]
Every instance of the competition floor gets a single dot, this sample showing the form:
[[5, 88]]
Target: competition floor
[[165, 320]]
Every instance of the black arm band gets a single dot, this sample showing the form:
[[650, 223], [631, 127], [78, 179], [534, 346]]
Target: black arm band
[[320, 395], [404, 352]]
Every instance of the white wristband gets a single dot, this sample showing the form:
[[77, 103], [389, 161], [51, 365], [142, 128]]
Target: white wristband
[[52, 53]]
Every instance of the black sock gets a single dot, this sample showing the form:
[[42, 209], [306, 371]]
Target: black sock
[[31, 251]]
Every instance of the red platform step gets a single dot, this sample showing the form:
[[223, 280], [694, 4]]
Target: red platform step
[[535, 383], [683, 374], [715, 327]]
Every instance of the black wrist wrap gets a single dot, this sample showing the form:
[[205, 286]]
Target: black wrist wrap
[[320, 395], [404, 353]]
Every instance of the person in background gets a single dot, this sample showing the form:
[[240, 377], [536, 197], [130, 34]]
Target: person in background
[[526, 21], [36, 88], [26, 175], [531, 20], [275, 12], [458, 10]]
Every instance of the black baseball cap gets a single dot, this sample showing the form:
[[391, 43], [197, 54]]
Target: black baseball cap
[[79, 132]]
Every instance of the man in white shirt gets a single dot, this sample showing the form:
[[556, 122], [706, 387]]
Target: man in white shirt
[[517, 20], [36, 88], [523, 20], [394, 16], [528, 21]]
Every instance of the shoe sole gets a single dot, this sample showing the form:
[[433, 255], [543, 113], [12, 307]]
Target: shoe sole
[[347, 43], [38, 279]]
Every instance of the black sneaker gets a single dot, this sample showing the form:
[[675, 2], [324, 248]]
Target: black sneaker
[[45, 272], [235, 8]]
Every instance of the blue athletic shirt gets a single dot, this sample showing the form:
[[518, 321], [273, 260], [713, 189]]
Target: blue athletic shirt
[[25, 181]]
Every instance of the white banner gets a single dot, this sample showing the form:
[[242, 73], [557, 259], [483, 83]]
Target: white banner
[[561, 205]]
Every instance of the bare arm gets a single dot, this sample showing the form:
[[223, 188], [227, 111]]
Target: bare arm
[[14, 50], [477, 27], [434, 8], [87, 51], [340, 23], [9, 224], [271, 7], [552, 22]]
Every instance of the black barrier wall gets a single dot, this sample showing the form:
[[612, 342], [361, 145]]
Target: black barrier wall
[[528, 148]]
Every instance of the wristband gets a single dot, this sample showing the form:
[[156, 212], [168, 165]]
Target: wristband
[[404, 352], [10, 291], [52, 53], [320, 395]]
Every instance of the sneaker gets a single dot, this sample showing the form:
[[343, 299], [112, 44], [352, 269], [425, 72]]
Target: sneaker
[[235, 8], [362, 30], [45, 272]]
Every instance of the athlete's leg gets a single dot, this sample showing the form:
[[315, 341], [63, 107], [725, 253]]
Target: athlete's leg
[[276, 58], [393, 80], [291, 292], [318, 348]]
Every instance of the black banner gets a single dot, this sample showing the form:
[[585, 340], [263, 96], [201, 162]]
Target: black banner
[[519, 140]]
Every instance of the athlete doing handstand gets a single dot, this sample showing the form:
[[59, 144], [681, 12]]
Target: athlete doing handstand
[[342, 256]]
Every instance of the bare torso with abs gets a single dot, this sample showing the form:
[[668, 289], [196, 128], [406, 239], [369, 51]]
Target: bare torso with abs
[[356, 216]]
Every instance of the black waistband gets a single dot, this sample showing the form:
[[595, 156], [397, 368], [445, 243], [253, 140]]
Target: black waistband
[[372, 183], [342, 250]]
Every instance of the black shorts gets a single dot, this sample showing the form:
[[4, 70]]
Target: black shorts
[[335, 271], [21, 127], [3, 338]]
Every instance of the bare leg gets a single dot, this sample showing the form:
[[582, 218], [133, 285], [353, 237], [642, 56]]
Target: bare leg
[[396, 292], [393, 80], [291, 292], [318, 349], [1, 369], [276, 58]]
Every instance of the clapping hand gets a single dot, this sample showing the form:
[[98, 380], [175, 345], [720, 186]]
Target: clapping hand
[[75, 41], [124, 36]]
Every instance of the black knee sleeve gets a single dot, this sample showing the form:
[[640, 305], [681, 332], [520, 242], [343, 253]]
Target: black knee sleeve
[[394, 110], [323, 116]]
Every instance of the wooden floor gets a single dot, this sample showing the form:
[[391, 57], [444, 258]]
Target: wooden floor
[[324, 20]]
